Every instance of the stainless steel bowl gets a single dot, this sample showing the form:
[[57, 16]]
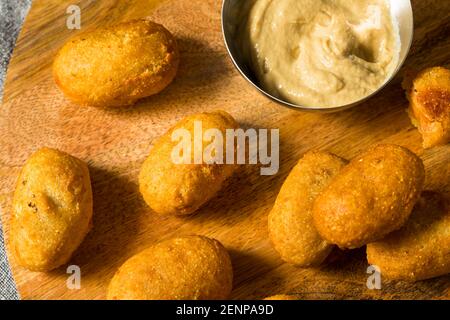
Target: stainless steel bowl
[[231, 15]]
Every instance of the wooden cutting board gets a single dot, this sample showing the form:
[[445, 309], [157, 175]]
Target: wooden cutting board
[[115, 142]]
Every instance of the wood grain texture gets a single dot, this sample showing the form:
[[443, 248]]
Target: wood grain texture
[[115, 142]]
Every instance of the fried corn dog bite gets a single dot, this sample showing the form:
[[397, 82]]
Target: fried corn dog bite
[[291, 226], [117, 65], [51, 211], [181, 188], [429, 108], [421, 248], [369, 198], [184, 268]]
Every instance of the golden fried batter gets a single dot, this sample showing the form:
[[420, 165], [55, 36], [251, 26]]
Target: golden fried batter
[[420, 249], [280, 297], [185, 268], [117, 65], [52, 210], [170, 188], [429, 108], [291, 226], [369, 198]]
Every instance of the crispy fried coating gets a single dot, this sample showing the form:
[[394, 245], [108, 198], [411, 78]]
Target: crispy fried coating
[[421, 248], [52, 210], [280, 297], [429, 108], [185, 268], [181, 188], [117, 65], [291, 226], [369, 198]]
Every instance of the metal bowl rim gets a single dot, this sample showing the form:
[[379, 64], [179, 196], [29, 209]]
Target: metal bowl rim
[[315, 109]]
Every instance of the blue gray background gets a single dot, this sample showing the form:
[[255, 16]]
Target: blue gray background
[[12, 14]]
